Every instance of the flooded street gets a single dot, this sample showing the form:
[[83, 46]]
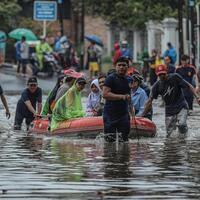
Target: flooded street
[[77, 169]]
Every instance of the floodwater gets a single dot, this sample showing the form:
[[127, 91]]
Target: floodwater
[[59, 168]]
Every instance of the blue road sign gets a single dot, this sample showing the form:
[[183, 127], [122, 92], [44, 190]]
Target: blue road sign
[[45, 10]]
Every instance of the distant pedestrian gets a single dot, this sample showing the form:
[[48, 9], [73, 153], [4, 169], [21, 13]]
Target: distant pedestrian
[[125, 50], [170, 67], [24, 54], [92, 59], [4, 101], [170, 87], [154, 61], [26, 106], [189, 74], [116, 91], [17, 55], [42, 48], [117, 52], [171, 52]]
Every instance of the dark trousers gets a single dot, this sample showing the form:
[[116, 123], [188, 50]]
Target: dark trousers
[[19, 117], [24, 64], [189, 100], [22, 113], [153, 76], [120, 125], [18, 65]]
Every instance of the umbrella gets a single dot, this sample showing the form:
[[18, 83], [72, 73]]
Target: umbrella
[[19, 32], [95, 39]]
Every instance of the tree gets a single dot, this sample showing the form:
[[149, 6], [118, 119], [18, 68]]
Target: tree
[[129, 13], [8, 11]]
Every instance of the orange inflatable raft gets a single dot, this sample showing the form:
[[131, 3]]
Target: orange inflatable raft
[[91, 127]]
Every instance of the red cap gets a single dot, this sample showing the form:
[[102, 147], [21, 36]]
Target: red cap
[[72, 73], [161, 69]]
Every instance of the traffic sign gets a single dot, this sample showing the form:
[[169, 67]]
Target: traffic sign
[[45, 10]]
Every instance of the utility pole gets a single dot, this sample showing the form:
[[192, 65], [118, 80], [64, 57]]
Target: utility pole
[[82, 34], [188, 28], [180, 27], [193, 46], [198, 32], [60, 4]]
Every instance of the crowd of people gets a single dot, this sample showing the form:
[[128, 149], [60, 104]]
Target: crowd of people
[[44, 57], [117, 96]]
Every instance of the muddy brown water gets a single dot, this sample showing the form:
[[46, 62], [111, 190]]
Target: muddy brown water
[[61, 168]]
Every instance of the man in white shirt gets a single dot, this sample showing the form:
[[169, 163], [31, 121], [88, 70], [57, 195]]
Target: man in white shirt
[[24, 54]]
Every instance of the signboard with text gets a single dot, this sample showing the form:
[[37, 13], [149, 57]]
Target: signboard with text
[[45, 10]]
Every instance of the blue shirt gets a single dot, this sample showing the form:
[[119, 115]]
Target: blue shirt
[[17, 50], [139, 98], [171, 52], [171, 91], [118, 85]]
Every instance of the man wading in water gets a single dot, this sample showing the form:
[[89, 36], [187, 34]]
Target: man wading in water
[[116, 91], [170, 86]]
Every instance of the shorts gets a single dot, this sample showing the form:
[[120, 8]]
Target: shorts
[[179, 120], [93, 67]]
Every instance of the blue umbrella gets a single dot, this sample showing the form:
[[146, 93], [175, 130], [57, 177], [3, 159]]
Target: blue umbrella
[[95, 39]]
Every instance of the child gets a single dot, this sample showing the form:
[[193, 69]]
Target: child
[[93, 101]]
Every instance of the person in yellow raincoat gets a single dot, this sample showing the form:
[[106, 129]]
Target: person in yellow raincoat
[[41, 48], [69, 105], [155, 60]]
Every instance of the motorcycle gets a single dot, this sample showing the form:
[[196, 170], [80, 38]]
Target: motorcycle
[[50, 65]]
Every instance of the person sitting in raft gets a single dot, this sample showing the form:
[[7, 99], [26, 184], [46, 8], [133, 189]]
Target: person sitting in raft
[[26, 106], [69, 105], [70, 77], [93, 100], [50, 101], [138, 95], [101, 81]]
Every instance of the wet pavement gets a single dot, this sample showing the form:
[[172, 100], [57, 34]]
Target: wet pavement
[[60, 168], [13, 84]]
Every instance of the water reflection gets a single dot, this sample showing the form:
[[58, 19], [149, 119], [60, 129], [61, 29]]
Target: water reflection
[[59, 168]]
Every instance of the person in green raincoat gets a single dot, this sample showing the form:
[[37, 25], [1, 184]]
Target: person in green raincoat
[[41, 48], [69, 105], [50, 101]]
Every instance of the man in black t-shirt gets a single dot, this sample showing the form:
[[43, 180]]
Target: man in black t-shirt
[[116, 91], [170, 88], [26, 106], [4, 101]]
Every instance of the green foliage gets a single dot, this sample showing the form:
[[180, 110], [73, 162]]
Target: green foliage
[[129, 13], [8, 11]]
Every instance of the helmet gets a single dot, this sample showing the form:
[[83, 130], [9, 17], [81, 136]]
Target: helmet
[[161, 69], [124, 42]]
